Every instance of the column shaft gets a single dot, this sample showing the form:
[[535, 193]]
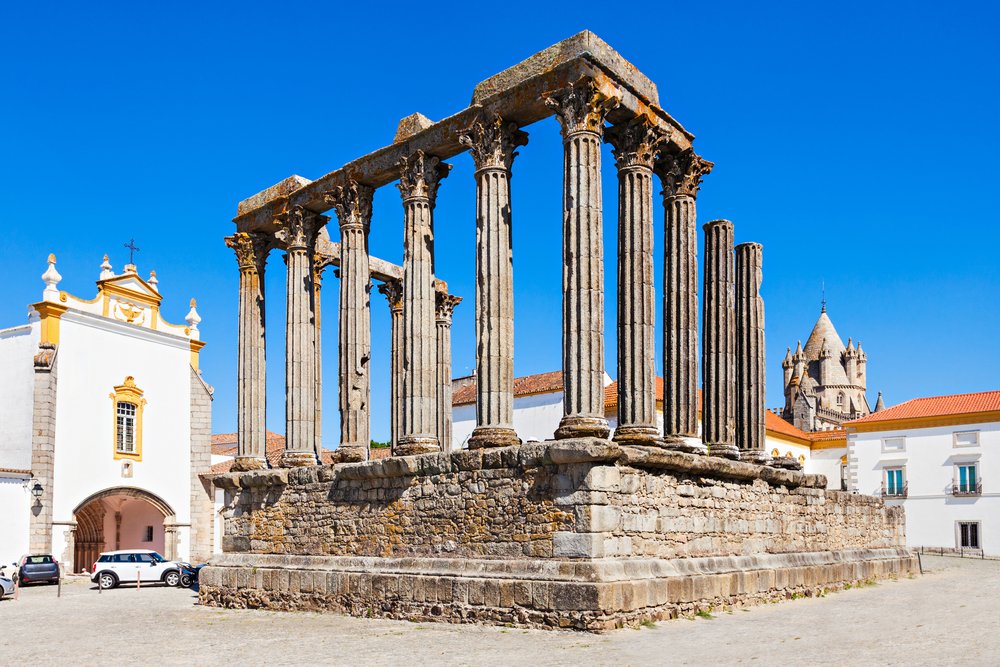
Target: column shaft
[[581, 110], [251, 254], [445, 306], [719, 345], [680, 175], [750, 367], [493, 143], [419, 179], [393, 292], [299, 233], [635, 145], [353, 204]]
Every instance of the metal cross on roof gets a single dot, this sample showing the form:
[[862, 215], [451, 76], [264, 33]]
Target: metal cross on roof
[[132, 249]]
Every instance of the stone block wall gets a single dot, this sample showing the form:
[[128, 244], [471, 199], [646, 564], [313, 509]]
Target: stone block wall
[[453, 505], [580, 533], [545, 502]]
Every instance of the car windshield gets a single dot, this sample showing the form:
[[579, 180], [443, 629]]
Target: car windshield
[[157, 558], [38, 560]]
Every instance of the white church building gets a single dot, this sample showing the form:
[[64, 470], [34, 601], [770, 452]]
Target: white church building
[[105, 426]]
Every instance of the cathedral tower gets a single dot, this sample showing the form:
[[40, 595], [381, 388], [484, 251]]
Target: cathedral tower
[[825, 381]]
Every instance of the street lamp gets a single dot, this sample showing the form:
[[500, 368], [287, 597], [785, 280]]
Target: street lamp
[[36, 490]]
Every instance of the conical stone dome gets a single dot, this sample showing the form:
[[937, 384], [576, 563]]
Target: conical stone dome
[[824, 330]]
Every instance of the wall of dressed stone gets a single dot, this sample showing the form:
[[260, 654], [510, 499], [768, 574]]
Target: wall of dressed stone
[[542, 501]]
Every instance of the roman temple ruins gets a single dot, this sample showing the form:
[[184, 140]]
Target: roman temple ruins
[[589, 530]]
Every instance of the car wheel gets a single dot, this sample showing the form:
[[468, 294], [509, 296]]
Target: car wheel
[[186, 580], [171, 578], [107, 580]]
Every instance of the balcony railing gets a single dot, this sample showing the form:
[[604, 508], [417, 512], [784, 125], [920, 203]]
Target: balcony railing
[[894, 492], [965, 489]]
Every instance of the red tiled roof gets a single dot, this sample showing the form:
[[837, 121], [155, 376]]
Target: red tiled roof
[[936, 406], [542, 383], [611, 394], [224, 444]]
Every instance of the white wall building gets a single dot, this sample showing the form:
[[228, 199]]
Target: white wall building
[[538, 408], [940, 459], [104, 414]]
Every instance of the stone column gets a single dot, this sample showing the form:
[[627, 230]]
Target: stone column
[[319, 265], [298, 235], [393, 291], [353, 204], [581, 110], [493, 144], [636, 143], [251, 255], [680, 175], [445, 307], [750, 368], [719, 344], [419, 178]]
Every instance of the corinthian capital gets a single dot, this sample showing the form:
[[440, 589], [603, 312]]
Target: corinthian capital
[[581, 107], [492, 142], [251, 250], [353, 204], [681, 173], [298, 227], [636, 142], [445, 306], [393, 291], [420, 176]]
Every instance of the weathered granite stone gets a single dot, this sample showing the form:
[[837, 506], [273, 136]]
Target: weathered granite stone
[[410, 125], [282, 189], [614, 536], [680, 175], [581, 110], [719, 346], [750, 366], [583, 44], [251, 256]]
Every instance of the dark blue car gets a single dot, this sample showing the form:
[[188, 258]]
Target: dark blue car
[[37, 569]]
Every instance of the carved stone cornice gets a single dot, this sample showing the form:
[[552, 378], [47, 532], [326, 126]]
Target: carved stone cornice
[[352, 203], [420, 176], [636, 143], [251, 250], [445, 306], [299, 227], [681, 173], [393, 291], [492, 142], [581, 107]]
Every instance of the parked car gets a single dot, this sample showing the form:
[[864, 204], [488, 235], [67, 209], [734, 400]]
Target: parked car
[[142, 565], [6, 586], [38, 568]]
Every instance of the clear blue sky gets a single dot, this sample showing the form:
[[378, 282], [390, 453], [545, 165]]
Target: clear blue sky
[[857, 142]]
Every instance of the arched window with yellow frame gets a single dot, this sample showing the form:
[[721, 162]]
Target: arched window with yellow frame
[[128, 404]]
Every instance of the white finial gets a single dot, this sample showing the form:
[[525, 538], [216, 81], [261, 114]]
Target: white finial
[[51, 278], [153, 282], [193, 318], [106, 271]]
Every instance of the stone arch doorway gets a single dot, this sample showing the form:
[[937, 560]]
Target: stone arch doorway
[[122, 518]]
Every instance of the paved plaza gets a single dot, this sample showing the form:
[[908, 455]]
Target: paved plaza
[[948, 616]]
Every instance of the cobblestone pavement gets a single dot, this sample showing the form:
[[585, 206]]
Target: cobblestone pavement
[[950, 616]]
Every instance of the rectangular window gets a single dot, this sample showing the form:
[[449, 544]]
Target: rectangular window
[[968, 479], [125, 432], [894, 445], [894, 485], [149, 534], [967, 439], [968, 534]]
